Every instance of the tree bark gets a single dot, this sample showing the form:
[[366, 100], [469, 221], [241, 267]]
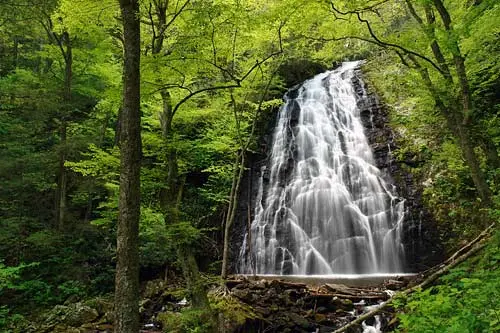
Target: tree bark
[[233, 203], [195, 285], [127, 254], [171, 196], [63, 180], [62, 183], [478, 176]]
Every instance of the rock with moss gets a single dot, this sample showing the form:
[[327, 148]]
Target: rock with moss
[[68, 316]]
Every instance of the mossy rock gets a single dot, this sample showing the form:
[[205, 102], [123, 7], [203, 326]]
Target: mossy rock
[[102, 305], [233, 314], [73, 315]]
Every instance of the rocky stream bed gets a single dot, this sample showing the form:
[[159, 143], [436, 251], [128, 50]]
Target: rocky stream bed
[[243, 304]]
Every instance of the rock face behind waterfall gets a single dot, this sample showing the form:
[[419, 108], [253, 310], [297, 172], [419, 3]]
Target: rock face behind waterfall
[[324, 249]]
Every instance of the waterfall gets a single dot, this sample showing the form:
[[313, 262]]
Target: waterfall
[[322, 205]]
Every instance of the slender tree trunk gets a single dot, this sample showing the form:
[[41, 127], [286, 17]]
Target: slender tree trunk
[[238, 175], [239, 169], [171, 196], [478, 176], [63, 180], [195, 285], [461, 132], [428, 29], [62, 183], [491, 152], [127, 254]]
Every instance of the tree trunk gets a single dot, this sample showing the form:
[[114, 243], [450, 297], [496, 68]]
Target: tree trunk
[[127, 254], [491, 152], [473, 163], [238, 175], [169, 194], [463, 124], [195, 285], [62, 183]]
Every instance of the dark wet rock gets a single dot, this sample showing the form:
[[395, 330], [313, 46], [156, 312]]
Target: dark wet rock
[[242, 294], [283, 306], [296, 71], [300, 321]]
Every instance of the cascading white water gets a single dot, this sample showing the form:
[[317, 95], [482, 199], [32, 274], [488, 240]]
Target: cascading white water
[[322, 206]]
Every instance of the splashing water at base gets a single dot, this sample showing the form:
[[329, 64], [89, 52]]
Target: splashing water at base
[[322, 206]]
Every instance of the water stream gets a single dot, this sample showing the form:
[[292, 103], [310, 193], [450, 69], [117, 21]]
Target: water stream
[[322, 206]]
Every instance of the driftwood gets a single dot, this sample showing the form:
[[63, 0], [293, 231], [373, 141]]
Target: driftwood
[[458, 257], [342, 291]]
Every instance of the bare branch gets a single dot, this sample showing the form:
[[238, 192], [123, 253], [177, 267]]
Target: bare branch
[[176, 14], [379, 41], [237, 81], [194, 93]]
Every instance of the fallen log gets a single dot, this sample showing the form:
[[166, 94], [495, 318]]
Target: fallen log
[[462, 250], [477, 244], [340, 288], [293, 285], [381, 296]]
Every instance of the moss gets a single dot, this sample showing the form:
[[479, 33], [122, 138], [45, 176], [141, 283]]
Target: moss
[[234, 312], [178, 293], [189, 320]]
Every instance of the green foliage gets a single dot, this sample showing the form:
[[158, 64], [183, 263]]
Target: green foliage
[[430, 152], [465, 300], [10, 276]]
